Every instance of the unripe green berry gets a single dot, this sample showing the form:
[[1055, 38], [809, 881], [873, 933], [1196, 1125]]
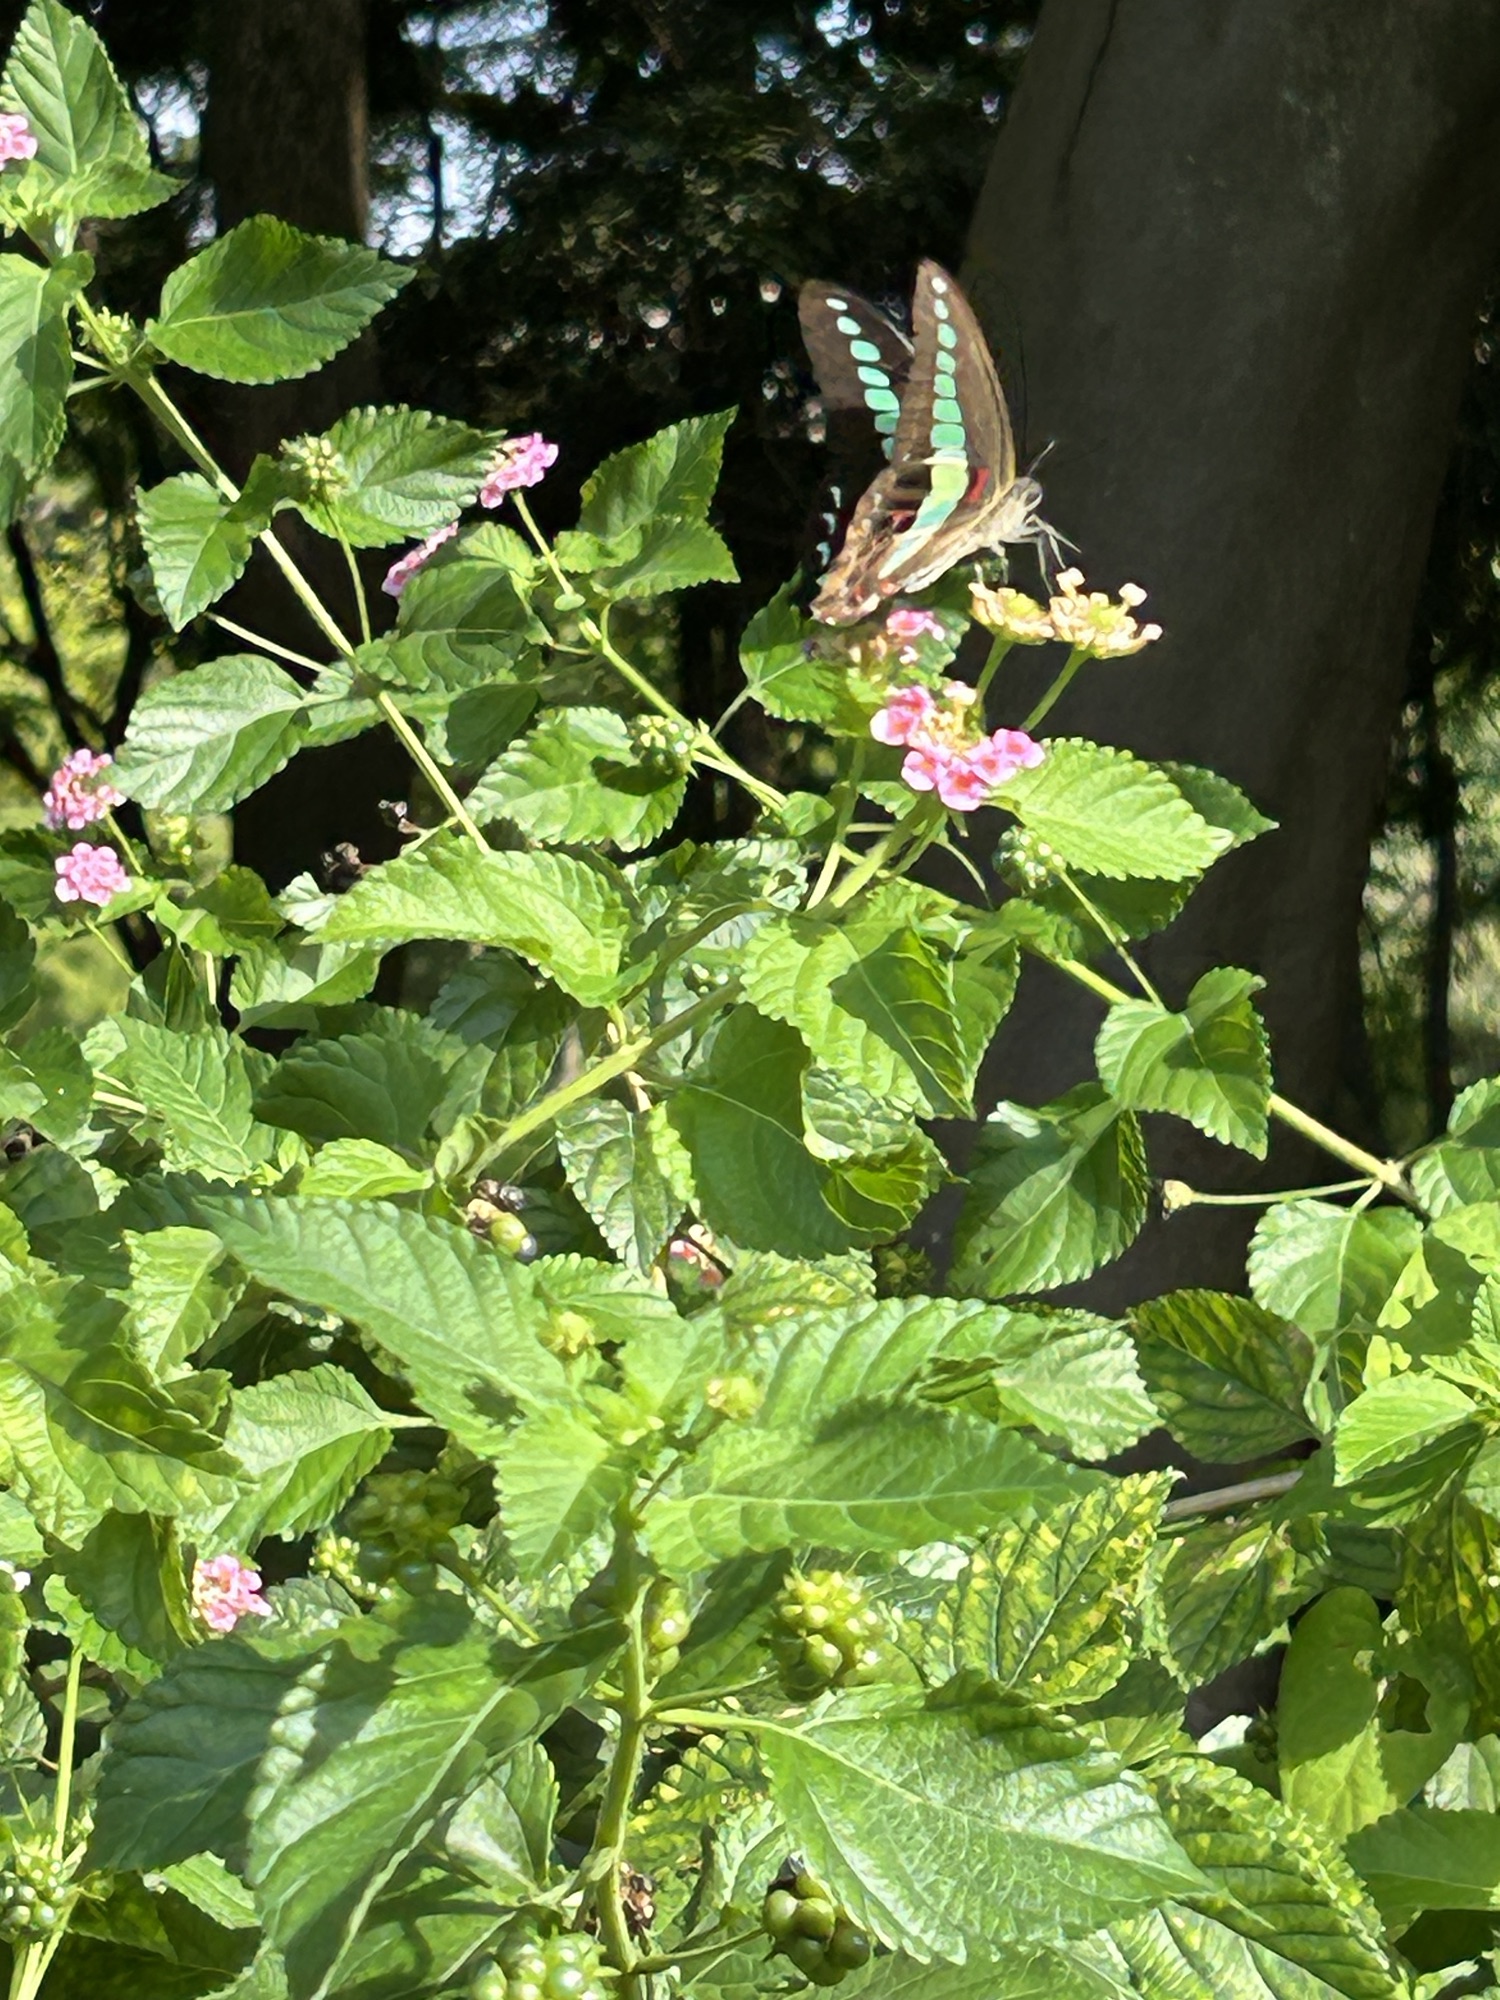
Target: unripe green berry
[[825, 1633]]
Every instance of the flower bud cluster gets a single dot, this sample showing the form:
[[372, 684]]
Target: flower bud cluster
[[1087, 621], [825, 1632], [33, 1888]]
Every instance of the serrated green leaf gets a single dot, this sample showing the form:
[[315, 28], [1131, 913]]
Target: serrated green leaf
[[1324, 1267], [282, 985], [870, 997], [196, 1089], [670, 476], [305, 1440], [1052, 1195], [781, 675], [1228, 1376], [567, 916], [129, 1575], [1399, 1419], [673, 555], [17, 958], [950, 1830], [879, 1478], [91, 156], [610, 1157], [1414, 1860], [1209, 1064], [1447, 1601], [560, 1481], [36, 358], [1465, 1166], [180, 1292], [1069, 1374], [1228, 1587], [267, 303], [740, 1117], [201, 742], [1222, 804], [464, 1323], [197, 545], [1049, 1606], [1338, 1765], [380, 1084], [360, 1170], [580, 777], [404, 472], [1105, 811], [392, 1738], [1284, 1918]]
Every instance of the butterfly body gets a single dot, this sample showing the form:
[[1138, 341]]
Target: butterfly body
[[951, 489]]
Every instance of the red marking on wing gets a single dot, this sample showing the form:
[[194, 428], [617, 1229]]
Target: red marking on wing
[[978, 480], [902, 521]]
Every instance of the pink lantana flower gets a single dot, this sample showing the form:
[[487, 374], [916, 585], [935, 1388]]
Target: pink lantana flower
[[89, 874], [520, 461], [908, 621], [74, 799], [226, 1590], [942, 753], [401, 572], [17, 140], [907, 713]]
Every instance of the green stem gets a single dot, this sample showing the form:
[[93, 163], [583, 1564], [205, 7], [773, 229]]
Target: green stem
[[263, 644], [848, 800], [706, 750], [1000, 645], [1270, 1487], [422, 759], [1054, 693], [123, 840], [665, 1961], [606, 1856], [66, 1742], [1114, 934], [1369, 1166], [878, 857], [627, 1057], [1190, 1197], [361, 609]]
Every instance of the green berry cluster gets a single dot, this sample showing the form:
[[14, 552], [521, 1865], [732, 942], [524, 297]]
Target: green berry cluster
[[33, 1886], [825, 1632], [401, 1518], [664, 1624], [811, 1929], [1026, 862], [316, 462], [663, 741], [902, 1271], [564, 1967]]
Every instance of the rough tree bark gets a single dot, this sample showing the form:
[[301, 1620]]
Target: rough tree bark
[[1239, 249], [286, 133]]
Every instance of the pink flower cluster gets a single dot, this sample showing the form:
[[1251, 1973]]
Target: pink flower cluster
[[17, 140], [89, 874], [683, 1250], [226, 1590], [401, 572], [73, 799], [942, 755], [520, 461]]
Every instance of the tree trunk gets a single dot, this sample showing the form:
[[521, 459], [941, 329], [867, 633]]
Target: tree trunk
[[286, 134], [1238, 250]]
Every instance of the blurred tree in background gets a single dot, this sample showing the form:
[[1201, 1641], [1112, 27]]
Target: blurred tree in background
[[613, 205]]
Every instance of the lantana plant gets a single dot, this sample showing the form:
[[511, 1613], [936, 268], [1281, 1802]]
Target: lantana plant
[[493, 1503]]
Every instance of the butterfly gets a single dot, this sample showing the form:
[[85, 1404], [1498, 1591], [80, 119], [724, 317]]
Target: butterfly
[[951, 488]]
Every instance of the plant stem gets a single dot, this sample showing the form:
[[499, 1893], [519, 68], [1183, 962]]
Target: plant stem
[[1270, 1487], [1054, 693], [263, 644], [874, 860], [1000, 645], [664, 1961], [1114, 934], [607, 1854], [361, 609], [1188, 1197], [1369, 1166], [65, 1746], [848, 799], [421, 757], [626, 1057], [706, 749]]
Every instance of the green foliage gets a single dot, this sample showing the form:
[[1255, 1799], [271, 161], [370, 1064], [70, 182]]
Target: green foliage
[[531, 1523]]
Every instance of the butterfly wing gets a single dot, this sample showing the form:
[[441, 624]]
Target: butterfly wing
[[951, 488], [859, 356]]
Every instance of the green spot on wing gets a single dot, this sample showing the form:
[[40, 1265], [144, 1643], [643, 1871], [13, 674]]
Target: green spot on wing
[[949, 437], [947, 337], [864, 350], [847, 325], [946, 411], [882, 399]]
